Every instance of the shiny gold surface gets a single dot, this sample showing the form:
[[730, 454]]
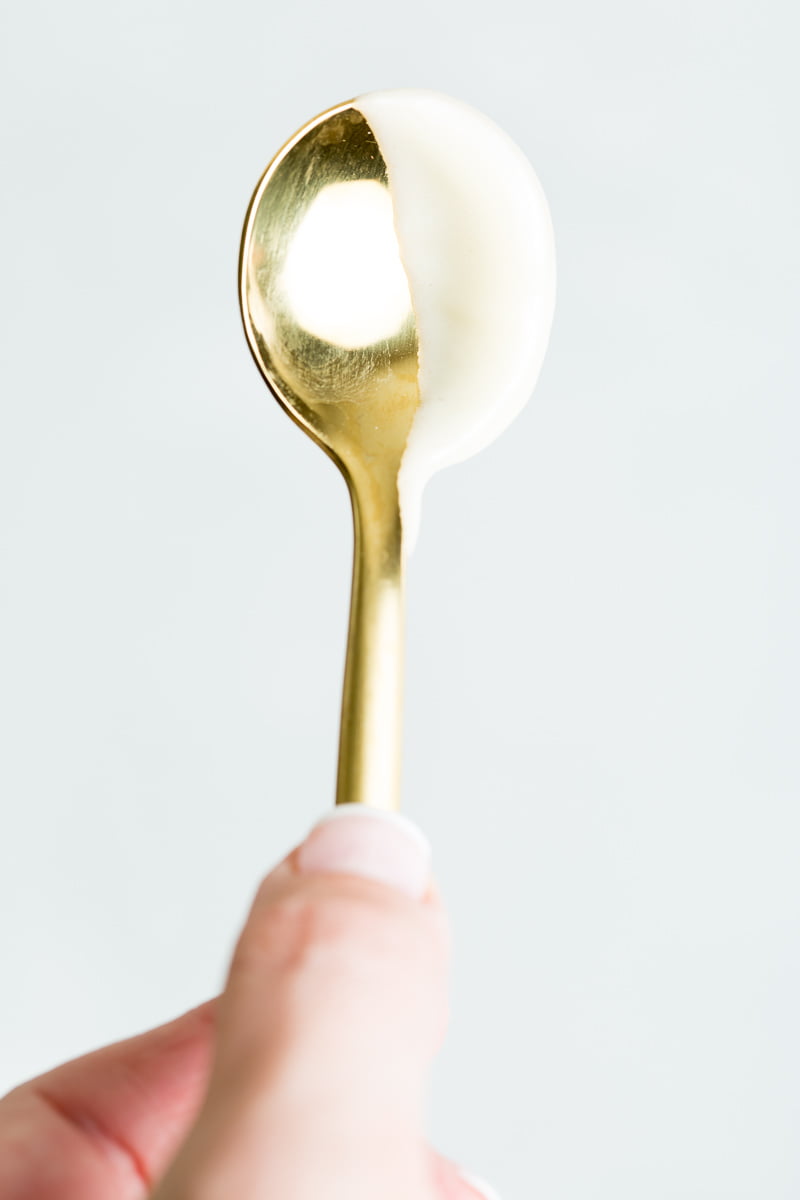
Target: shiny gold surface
[[329, 320]]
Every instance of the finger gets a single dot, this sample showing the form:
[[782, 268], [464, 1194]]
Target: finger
[[473, 1188], [454, 1184], [334, 1008], [340, 945], [111, 1121]]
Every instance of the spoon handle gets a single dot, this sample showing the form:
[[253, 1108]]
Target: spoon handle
[[370, 740]]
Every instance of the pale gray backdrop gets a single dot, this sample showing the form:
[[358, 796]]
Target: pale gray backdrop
[[603, 649]]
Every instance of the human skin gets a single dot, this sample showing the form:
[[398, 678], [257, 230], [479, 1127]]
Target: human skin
[[306, 1079]]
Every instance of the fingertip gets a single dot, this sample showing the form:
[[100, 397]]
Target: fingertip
[[384, 847]]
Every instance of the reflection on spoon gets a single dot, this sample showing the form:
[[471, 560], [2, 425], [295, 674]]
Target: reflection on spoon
[[342, 276]]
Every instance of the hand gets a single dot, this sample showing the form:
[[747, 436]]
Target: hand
[[306, 1080]]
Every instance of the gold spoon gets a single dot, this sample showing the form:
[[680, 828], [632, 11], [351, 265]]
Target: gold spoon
[[329, 320]]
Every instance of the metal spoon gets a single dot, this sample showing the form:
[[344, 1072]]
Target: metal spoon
[[329, 320]]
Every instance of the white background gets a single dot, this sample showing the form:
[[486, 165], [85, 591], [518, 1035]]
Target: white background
[[603, 647]]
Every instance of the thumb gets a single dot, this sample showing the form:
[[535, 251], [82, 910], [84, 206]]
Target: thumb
[[334, 1008]]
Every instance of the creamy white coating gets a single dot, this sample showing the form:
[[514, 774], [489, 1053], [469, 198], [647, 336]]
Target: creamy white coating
[[477, 245]]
